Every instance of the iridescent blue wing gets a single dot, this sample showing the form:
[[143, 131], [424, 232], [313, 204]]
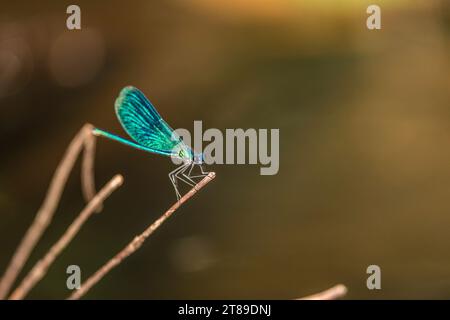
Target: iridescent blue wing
[[143, 123]]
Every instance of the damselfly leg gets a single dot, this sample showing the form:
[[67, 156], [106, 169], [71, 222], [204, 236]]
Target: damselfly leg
[[180, 174], [202, 173], [173, 179], [183, 173]]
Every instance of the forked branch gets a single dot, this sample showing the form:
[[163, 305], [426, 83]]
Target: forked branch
[[83, 140], [41, 267]]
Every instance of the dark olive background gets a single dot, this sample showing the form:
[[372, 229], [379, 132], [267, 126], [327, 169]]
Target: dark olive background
[[364, 123]]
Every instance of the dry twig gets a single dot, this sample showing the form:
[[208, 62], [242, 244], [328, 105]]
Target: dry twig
[[336, 292], [137, 242], [44, 216], [41, 267]]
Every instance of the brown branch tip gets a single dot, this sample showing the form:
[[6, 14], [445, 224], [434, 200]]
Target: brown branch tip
[[336, 292]]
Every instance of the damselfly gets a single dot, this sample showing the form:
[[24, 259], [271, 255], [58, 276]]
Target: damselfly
[[151, 133]]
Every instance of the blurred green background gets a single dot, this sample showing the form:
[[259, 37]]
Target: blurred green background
[[364, 123]]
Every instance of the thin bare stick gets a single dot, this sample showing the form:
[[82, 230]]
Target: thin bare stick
[[45, 214], [336, 292], [87, 167], [137, 242], [41, 267]]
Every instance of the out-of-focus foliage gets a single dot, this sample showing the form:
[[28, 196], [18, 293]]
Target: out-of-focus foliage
[[364, 124]]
